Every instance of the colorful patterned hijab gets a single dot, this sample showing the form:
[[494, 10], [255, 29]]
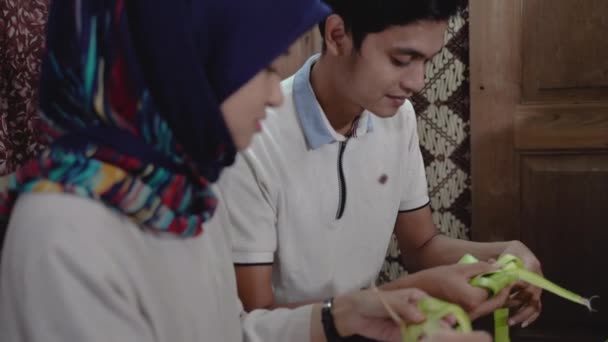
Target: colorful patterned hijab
[[130, 93]]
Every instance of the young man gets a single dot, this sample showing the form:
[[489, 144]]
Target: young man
[[338, 169]]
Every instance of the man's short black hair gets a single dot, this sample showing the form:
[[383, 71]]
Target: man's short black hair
[[362, 17]]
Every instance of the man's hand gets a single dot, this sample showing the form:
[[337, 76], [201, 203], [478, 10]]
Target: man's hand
[[525, 299], [451, 284]]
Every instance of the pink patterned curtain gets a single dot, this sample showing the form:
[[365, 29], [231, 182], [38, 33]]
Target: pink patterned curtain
[[22, 30]]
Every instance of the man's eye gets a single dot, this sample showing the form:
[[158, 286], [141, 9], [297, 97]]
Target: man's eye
[[398, 63]]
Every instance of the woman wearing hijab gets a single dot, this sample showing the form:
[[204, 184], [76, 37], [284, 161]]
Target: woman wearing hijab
[[145, 103]]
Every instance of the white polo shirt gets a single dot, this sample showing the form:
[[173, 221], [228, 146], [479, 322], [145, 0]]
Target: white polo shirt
[[318, 206]]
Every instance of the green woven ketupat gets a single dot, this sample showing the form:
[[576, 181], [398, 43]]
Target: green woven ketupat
[[435, 311], [511, 270]]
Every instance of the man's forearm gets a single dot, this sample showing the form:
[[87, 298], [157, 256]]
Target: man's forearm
[[443, 250], [408, 282]]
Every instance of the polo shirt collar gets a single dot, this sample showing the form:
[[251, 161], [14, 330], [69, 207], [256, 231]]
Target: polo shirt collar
[[316, 127]]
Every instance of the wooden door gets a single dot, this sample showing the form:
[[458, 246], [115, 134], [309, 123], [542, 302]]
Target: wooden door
[[539, 92]]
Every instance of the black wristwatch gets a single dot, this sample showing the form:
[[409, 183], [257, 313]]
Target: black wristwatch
[[329, 326]]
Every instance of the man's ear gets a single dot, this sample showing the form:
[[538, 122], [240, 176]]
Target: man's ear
[[338, 42]]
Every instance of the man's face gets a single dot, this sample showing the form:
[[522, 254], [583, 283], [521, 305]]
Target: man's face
[[390, 66]]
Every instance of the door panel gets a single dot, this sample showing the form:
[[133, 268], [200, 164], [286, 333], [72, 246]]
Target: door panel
[[539, 98]]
